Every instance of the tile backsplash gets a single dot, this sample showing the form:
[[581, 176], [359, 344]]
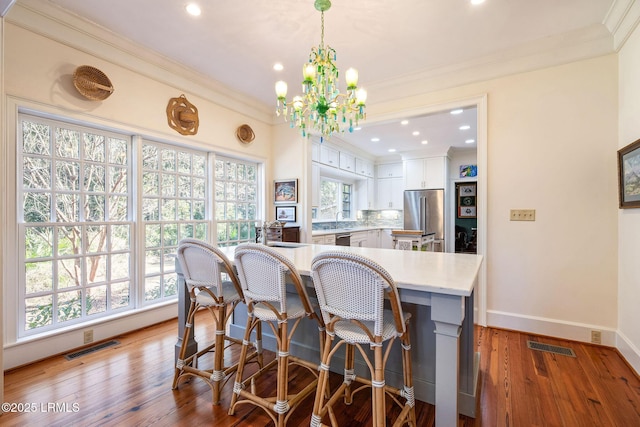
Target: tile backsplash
[[367, 218]]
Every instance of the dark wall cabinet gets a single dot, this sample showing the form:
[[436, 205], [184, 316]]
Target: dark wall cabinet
[[281, 234]]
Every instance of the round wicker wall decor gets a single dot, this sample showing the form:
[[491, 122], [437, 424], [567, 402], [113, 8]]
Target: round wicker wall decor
[[182, 116], [245, 134], [92, 83]]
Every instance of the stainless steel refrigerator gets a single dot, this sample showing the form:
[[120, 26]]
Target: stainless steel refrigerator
[[424, 210]]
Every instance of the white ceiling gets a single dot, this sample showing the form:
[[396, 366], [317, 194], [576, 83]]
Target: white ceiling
[[236, 43]]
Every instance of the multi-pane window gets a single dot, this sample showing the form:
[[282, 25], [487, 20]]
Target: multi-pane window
[[174, 202], [75, 219], [236, 201], [335, 197]]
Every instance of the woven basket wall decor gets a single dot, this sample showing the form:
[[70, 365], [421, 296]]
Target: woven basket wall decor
[[182, 116], [245, 134], [92, 83]]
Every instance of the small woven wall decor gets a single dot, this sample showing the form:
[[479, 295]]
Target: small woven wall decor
[[245, 134], [92, 83], [182, 116]]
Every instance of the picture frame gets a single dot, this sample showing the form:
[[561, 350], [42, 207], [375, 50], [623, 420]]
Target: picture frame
[[467, 190], [629, 176], [467, 212], [285, 191], [467, 200], [468, 171], [286, 213]]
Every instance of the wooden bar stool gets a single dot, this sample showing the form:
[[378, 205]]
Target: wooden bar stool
[[263, 272], [204, 268], [351, 291]]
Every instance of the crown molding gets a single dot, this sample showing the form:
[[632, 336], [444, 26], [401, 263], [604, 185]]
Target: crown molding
[[577, 45], [621, 20], [70, 30]]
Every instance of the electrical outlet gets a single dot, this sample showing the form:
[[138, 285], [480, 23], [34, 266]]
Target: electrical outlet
[[596, 337], [88, 336], [523, 215]]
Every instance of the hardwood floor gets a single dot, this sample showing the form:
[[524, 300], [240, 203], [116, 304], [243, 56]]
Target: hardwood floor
[[130, 384]]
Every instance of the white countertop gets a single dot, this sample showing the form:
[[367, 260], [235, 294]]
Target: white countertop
[[437, 272]]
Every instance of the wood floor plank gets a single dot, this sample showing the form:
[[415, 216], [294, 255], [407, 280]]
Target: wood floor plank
[[130, 384]]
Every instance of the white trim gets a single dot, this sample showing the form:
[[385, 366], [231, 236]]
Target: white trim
[[550, 327], [38, 348], [621, 20], [630, 352]]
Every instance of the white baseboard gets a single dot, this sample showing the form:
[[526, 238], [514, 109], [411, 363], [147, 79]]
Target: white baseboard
[[566, 330], [629, 351], [38, 348]]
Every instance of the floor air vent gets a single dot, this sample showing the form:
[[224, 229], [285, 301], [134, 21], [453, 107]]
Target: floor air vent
[[534, 345], [91, 349]]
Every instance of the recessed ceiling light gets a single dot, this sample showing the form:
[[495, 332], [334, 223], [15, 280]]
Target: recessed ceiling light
[[477, 1], [404, 122], [464, 127], [416, 133], [425, 142], [278, 66], [193, 9], [392, 150], [456, 111], [375, 139], [470, 141]]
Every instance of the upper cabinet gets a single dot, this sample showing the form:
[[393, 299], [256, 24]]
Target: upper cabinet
[[329, 156], [389, 170], [315, 151], [425, 173], [364, 167], [347, 162]]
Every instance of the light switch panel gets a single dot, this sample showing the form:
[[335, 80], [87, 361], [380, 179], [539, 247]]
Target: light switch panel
[[523, 215]]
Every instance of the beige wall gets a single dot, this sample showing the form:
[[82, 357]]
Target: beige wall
[[629, 219], [552, 135]]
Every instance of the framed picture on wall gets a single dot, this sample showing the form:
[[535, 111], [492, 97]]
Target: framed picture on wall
[[467, 212], [467, 200], [286, 213], [285, 191], [629, 175], [468, 171]]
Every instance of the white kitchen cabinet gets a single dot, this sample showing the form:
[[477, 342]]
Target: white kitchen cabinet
[[326, 239], [347, 162], [329, 156], [425, 173], [315, 185], [359, 239], [390, 193], [315, 151], [373, 238], [364, 167], [389, 170], [365, 194], [386, 241]]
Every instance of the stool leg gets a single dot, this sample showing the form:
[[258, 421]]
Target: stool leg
[[218, 357], [323, 383], [237, 386], [377, 388], [408, 375], [183, 346], [349, 363], [283, 373]]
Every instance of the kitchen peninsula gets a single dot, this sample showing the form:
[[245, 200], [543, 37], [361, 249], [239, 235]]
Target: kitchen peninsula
[[438, 290]]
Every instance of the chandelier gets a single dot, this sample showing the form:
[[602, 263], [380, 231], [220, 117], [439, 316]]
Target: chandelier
[[322, 108]]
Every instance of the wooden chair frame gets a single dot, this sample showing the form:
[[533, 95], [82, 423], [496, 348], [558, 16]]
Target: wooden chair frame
[[221, 312], [280, 406], [325, 399]]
